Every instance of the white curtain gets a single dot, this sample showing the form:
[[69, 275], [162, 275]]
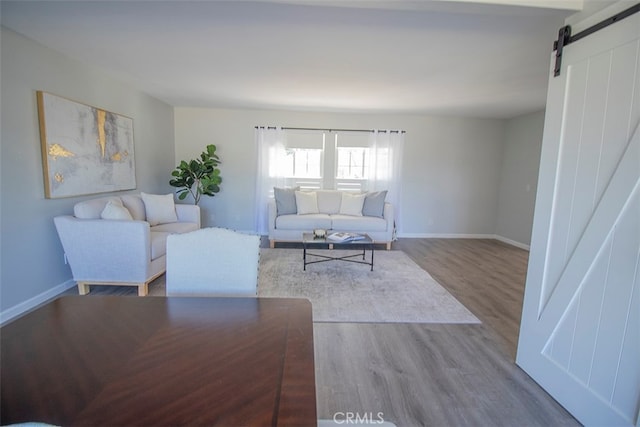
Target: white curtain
[[385, 171], [270, 148]]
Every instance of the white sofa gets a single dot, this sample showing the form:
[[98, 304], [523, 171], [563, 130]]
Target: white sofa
[[128, 251], [285, 225]]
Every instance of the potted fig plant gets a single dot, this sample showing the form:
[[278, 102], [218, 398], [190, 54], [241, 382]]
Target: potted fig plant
[[199, 176]]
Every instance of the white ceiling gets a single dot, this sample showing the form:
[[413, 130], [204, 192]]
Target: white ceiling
[[396, 56]]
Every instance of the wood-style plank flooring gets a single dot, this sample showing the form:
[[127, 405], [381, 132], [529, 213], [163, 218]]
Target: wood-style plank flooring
[[440, 374], [487, 276]]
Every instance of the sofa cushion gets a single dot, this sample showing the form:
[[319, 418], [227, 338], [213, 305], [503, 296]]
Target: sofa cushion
[[306, 202], [351, 204], [374, 203], [285, 200], [303, 222], [135, 206], [92, 209], [115, 210], [357, 223], [159, 209], [176, 227], [329, 201]]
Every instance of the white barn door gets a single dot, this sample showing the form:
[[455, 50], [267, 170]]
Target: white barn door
[[580, 330]]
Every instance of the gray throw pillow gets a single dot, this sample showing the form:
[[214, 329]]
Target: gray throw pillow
[[374, 204], [285, 200]]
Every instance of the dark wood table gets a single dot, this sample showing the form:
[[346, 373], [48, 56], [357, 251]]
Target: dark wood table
[[160, 361]]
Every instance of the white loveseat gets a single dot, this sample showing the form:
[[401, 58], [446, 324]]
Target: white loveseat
[[336, 211], [129, 250]]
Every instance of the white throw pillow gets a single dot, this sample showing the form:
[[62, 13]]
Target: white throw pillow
[[307, 202], [352, 204], [160, 209], [115, 210]]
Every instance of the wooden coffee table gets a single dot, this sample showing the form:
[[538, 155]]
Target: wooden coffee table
[[114, 360], [310, 241]]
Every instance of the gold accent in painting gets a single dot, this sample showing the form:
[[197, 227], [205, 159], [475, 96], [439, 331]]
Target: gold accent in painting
[[118, 156], [57, 150], [102, 139]]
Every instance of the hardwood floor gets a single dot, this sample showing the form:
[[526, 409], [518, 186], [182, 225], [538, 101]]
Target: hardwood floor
[[440, 374], [487, 276]]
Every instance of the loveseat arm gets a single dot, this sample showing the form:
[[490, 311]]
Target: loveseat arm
[[188, 213], [103, 250], [388, 214]]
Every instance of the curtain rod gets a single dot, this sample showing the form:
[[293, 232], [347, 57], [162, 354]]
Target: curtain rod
[[332, 130]]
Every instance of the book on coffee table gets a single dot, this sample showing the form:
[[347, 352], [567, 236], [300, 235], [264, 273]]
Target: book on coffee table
[[343, 236]]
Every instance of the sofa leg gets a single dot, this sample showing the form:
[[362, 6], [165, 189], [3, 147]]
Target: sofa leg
[[388, 246], [272, 244], [83, 288], [143, 289]]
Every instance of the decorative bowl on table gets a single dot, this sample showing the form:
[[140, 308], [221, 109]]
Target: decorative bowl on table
[[319, 233]]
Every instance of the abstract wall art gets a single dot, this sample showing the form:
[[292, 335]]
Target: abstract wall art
[[85, 150]]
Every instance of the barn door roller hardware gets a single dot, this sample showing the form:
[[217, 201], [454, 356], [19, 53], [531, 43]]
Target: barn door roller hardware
[[565, 38]]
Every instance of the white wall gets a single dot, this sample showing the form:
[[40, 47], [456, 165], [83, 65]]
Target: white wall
[[518, 182], [451, 169], [32, 257]]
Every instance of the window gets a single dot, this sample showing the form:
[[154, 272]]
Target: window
[[302, 160], [352, 163], [330, 160], [323, 159], [303, 163], [353, 158]]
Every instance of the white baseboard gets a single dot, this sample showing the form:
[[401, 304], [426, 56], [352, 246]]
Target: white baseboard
[[27, 305], [446, 236], [512, 243], [463, 236]]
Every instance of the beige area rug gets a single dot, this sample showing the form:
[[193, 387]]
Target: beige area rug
[[397, 291]]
